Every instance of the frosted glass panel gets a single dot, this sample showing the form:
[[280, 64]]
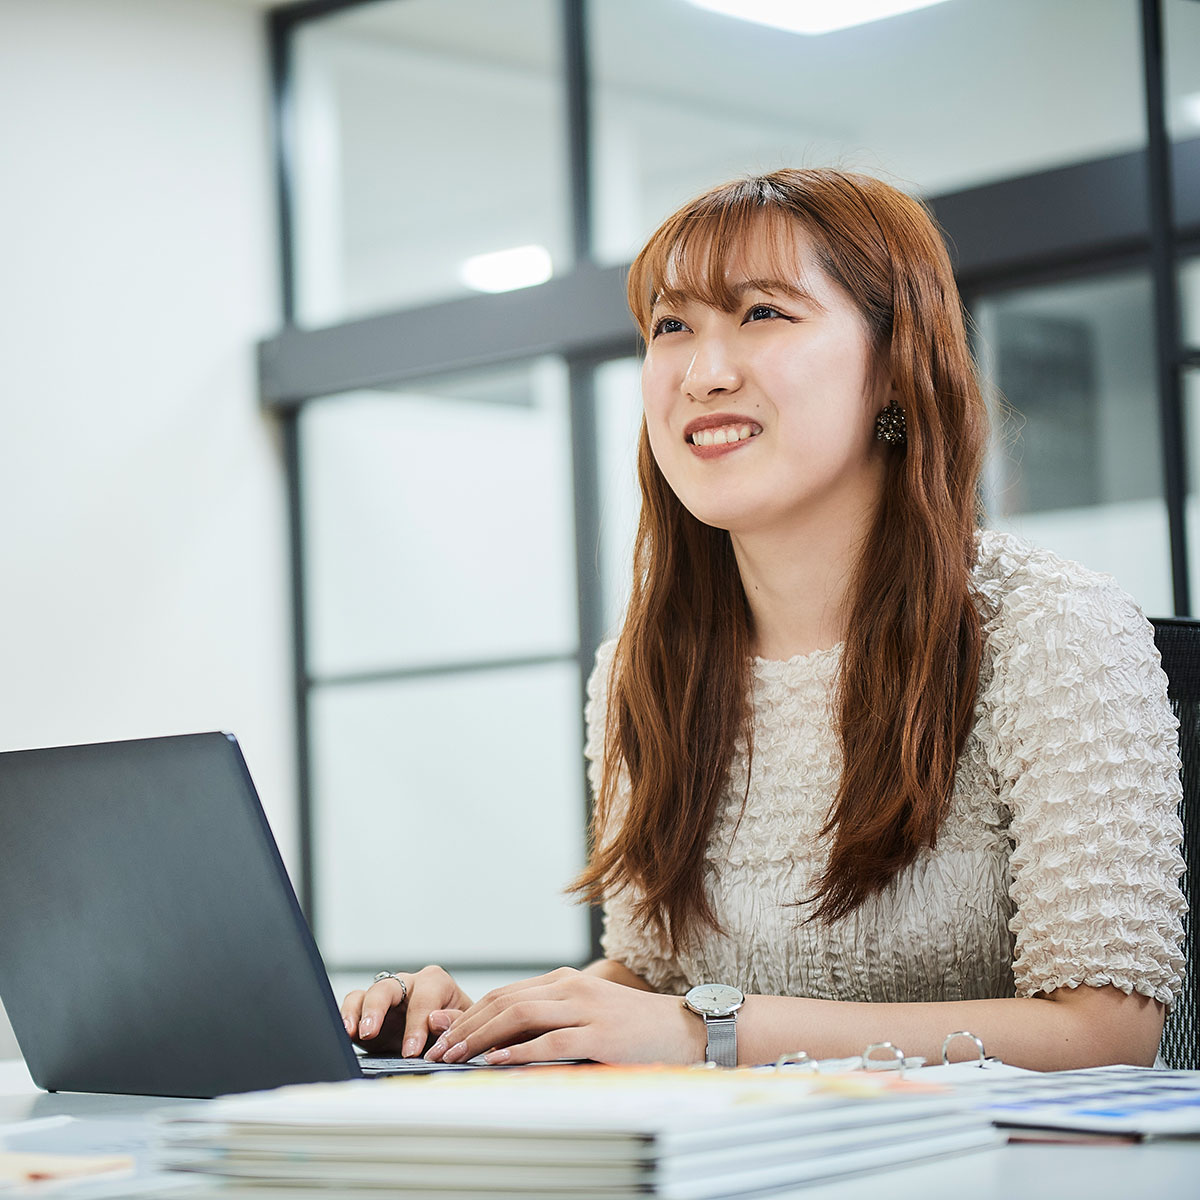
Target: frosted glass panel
[[439, 522], [1075, 465], [1181, 36], [948, 97], [449, 816], [1189, 288], [426, 132], [618, 422]]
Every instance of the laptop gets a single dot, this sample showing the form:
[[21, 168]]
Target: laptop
[[150, 939]]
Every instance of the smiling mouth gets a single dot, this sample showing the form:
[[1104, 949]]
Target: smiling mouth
[[724, 435]]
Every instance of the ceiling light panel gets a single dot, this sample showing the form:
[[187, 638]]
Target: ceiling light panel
[[812, 16]]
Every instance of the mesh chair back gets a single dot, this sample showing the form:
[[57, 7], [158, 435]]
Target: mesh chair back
[[1178, 640]]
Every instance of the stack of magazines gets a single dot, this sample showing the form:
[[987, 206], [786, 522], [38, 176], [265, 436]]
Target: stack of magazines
[[686, 1134]]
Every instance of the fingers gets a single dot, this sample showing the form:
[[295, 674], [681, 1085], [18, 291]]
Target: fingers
[[405, 1012], [418, 1033], [557, 1044], [434, 992], [567, 1014], [523, 988], [453, 1031], [399, 1014], [510, 1015], [352, 1010], [366, 1013], [443, 1018]]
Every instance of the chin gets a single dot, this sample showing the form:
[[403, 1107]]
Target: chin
[[717, 518], [728, 508]]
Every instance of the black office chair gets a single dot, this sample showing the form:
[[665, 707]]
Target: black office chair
[[1178, 640]]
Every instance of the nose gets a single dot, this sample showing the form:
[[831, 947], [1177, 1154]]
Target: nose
[[713, 371]]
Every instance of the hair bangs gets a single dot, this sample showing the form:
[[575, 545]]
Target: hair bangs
[[690, 257]]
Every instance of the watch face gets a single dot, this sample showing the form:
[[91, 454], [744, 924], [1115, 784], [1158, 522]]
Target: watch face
[[714, 999]]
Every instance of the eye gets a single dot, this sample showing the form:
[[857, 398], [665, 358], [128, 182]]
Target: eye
[[762, 312], [667, 325]]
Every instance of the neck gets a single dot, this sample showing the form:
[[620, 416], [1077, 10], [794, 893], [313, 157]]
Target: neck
[[797, 584]]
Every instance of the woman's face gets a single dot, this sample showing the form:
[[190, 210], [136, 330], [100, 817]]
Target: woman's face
[[762, 419]]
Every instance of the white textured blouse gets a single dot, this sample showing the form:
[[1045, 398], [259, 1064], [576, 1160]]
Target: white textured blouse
[[1057, 865]]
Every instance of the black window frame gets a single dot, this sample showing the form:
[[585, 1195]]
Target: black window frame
[[1039, 228]]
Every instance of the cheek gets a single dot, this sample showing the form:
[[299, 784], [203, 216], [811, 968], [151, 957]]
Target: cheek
[[656, 433], [656, 404], [832, 392], [847, 429], [654, 382]]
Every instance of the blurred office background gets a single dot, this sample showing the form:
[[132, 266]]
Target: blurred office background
[[382, 546]]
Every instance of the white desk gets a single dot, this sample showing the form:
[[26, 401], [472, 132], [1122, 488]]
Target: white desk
[[110, 1121], [1170, 1170]]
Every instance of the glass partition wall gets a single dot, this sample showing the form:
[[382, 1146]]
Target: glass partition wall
[[1076, 464], [428, 135], [442, 647], [462, 184]]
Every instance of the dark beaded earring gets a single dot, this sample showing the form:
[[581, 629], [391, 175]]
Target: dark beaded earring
[[890, 426]]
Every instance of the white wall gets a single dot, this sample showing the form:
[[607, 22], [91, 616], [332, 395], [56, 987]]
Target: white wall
[[141, 492]]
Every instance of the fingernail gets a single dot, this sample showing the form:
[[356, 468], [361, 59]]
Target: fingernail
[[366, 1025], [437, 1050], [497, 1056], [349, 1024], [411, 1046], [457, 1051]]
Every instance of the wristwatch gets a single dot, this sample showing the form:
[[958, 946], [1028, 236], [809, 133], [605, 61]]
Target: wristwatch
[[718, 1004]]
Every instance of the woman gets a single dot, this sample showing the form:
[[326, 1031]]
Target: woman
[[884, 774]]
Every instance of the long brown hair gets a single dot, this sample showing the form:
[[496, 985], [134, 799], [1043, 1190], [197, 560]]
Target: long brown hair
[[678, 695]]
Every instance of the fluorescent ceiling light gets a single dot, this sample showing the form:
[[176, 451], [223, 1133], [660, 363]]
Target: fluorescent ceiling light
[[812, 16], [507, 270]]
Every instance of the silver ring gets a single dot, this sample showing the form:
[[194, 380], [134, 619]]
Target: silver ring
[[392, 975]]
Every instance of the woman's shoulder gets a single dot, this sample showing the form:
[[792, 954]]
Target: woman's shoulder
[[1053, 624], [1018, 582]]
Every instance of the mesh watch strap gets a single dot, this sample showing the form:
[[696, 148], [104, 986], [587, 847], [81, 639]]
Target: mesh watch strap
[[722, 1040]]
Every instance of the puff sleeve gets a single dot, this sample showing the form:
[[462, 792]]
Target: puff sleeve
[[1084, 746]]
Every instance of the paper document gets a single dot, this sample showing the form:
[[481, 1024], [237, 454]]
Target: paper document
[[32, 1168], [675, 1133]]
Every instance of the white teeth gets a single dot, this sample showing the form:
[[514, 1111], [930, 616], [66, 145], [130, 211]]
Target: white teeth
[[722, 435]]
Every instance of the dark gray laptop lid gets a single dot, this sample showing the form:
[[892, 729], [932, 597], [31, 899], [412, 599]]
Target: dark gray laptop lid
[[150, 940]]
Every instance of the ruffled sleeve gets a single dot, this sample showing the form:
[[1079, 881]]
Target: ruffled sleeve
[[624, 940], [1084, 745]]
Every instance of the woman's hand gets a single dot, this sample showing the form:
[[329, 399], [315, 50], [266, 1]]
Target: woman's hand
[[400, 1014], [571, 1014]]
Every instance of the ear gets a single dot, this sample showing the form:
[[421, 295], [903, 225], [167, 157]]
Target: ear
[[885, 393], [883, 379]]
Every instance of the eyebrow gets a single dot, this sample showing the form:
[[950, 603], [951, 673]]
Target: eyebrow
[[782, 287]]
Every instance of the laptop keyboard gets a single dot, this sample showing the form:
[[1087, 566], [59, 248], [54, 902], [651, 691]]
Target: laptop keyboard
[[374, 1064]]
